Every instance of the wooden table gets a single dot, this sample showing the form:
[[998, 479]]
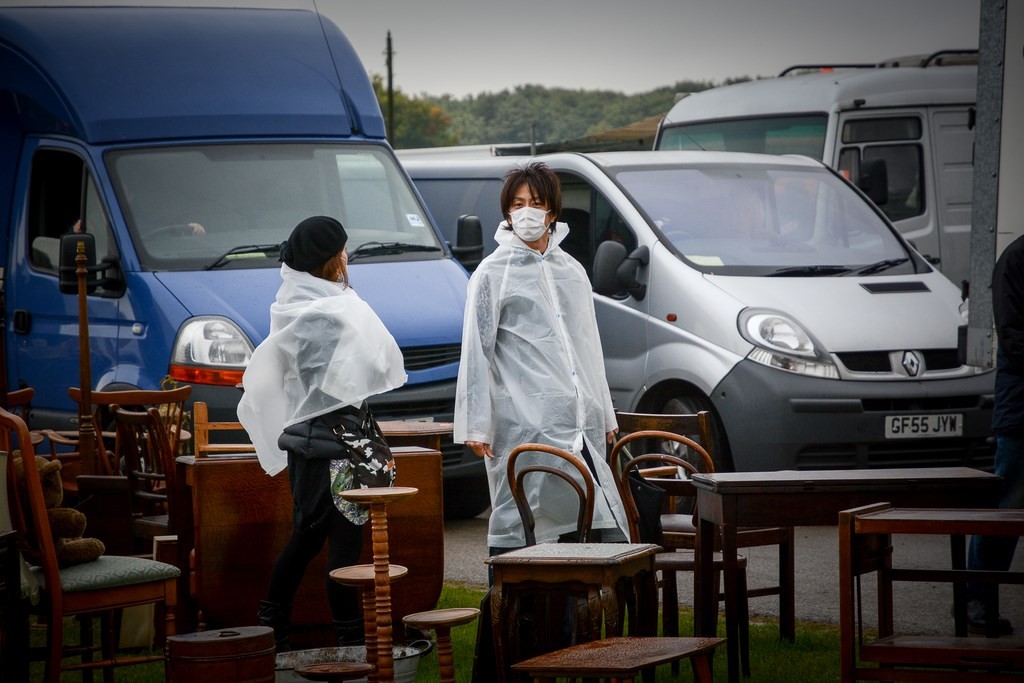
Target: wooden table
[[238, 519], [865, 546], [599, 569], [729, 500]]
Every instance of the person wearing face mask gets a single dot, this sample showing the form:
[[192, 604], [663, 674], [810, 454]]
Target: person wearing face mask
[[327, 351], [532, 368]]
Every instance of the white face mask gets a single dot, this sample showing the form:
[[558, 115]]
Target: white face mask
[[528, 223]]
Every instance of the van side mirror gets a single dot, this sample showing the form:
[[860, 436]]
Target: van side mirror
[[68, 262], [874, 181], [615, 272], [469, 249]]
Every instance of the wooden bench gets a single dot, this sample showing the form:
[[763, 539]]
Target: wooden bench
[[865, 547], [622, 658]]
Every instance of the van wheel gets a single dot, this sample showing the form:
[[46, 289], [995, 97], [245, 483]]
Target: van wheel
[[466, 498], [690, 403]]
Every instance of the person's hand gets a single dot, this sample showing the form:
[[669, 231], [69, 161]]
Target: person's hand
[[610, 436], [480, 449], [197, 228]]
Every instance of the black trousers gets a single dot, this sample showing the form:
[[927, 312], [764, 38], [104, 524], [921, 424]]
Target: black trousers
[[316, 520]]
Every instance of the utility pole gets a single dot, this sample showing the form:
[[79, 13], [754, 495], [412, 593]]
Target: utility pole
[[391, 94]]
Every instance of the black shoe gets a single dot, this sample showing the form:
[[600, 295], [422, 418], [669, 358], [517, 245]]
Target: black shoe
[[976, 627]]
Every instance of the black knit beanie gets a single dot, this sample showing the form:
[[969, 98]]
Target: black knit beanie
[[313, 242]]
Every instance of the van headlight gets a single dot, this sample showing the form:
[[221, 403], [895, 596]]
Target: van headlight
[[781, 342], [210, 350]]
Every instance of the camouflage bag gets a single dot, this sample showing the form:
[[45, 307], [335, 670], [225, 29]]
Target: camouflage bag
[[360, 457]]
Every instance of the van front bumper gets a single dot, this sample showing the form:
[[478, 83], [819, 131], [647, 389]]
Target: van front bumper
[[776, 420]]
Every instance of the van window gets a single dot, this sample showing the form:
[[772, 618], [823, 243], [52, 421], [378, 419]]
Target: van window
[[249, 194], [63, 197], [591, 220], [765, 221], [802, 134], [894, 140]]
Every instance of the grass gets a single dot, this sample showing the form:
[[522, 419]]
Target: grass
[[813, 657]]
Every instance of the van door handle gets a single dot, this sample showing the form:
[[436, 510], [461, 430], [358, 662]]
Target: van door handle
[[22, 321]]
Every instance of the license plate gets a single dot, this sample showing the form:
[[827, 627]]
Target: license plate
[[922, 426]]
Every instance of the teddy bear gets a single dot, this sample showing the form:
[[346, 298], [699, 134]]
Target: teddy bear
[[66, 524]]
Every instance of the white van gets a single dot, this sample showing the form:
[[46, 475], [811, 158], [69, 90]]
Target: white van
[[916, 121], [765, 289]]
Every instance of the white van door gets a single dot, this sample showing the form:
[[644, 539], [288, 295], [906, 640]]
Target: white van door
[[592, 219]]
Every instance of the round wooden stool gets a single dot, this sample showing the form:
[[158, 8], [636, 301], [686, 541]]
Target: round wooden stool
[[335, 672], [442, 621], [378, 499], [363, 577]]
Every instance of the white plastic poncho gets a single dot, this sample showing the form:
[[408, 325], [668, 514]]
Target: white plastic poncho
[[326, 349], [533, 371]]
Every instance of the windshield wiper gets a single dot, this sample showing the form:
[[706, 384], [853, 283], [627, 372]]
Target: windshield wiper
[[385, 248], [265, 250], [885, 264], [812, 271]]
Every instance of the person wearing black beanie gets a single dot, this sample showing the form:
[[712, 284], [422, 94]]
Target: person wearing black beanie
[[305, 409], [313, 242]]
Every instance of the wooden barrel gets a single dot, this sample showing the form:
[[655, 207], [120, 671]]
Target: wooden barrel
[[236, 655]]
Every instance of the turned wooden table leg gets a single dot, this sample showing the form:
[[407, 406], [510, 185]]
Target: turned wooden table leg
[[378, 499]]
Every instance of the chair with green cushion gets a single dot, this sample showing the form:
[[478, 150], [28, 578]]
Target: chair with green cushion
[[101, 587]]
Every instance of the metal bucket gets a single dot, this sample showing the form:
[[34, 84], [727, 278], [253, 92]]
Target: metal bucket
[[406, 657]]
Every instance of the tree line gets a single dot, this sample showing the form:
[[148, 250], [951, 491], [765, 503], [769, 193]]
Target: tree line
[[513, 116]]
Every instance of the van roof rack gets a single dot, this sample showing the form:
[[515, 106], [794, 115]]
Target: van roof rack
[[939, 58], [825, 67]]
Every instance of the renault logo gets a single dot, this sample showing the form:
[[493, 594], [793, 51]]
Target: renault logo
[[911, 363]]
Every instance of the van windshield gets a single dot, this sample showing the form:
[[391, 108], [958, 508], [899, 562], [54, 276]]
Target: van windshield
[[770, 221], [228, 206], [793, 134]]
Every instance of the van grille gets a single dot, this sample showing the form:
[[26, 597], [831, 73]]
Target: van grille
[[978, 453], [879, 361], [425, 357]]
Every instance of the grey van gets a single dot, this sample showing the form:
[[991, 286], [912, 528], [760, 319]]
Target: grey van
[[765, 289]]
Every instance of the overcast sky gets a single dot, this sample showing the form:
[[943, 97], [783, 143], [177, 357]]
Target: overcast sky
[[465, 47]]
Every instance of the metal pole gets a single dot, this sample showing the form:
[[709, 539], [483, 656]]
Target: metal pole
[[391, 95], [86, 428]]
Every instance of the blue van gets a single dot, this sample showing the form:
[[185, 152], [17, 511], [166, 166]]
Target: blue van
[[189, 141]]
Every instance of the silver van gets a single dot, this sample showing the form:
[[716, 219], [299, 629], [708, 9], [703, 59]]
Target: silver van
[[913, 117], [766, 289]]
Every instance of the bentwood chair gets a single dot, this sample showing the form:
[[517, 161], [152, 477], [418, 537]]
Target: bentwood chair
[[679, 529], [631, 466], [585, 493], [101, 587]]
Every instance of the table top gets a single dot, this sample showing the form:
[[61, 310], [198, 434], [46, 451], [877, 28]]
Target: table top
[[814, 480], [414, 428], [575, 553], [617, 656], [943, 521]]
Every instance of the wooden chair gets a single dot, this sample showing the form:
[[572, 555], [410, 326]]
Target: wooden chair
[[549, 607], [674, 560], [169, 402], [145, 451], [680, 530], [101, 587], [20, 402], [584, 519], [202, 428]]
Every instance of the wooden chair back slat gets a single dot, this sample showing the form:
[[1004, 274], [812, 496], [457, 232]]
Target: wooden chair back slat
[[145, 449]]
